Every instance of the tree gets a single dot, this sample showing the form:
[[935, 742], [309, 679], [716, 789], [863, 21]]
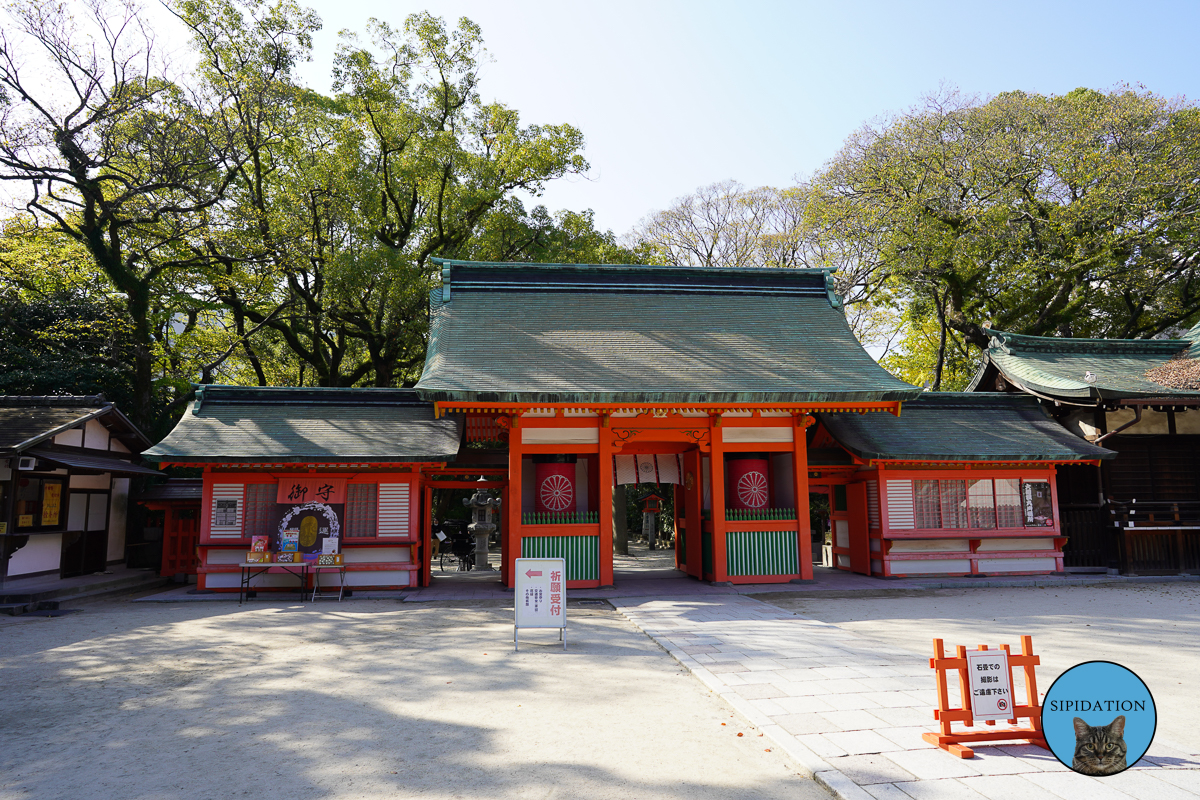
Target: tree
[[1073, 215], [132, 164], [61, 330], [404, 163], [727, 225]]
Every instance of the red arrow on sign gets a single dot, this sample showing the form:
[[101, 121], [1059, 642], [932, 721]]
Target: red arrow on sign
[[532, 574]]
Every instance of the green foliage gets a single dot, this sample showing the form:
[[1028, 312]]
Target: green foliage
[[61, 332], [245, 228], [1071, 215]]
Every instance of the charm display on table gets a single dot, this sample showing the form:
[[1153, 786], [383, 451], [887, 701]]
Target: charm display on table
[[290, 557], [329, 560], [257, 557]]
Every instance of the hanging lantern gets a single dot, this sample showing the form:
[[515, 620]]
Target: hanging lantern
[[748, 486]]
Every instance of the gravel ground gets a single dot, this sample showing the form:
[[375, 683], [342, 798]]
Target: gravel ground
[[362, 699], [1151, 628]]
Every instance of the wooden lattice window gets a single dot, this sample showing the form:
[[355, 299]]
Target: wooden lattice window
[[981, 502], [260, 509], [362, 510], [927, 510], [954, 504], [1008, 503]]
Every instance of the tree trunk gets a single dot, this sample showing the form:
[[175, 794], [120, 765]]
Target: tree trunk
[[620, 522]]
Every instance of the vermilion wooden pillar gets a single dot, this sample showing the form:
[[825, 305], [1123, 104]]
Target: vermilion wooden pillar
[[800, 474], [606, 506], [717, 476], [513, 534]]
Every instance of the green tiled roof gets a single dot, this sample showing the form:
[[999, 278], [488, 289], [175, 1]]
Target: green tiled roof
[[962, 426], [239, 424], [1058, 368], [580, 333]]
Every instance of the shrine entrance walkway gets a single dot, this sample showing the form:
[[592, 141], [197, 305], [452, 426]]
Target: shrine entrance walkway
[[850, 709]]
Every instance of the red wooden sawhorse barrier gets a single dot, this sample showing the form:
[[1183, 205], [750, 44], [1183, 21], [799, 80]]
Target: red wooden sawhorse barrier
[[945, 714]]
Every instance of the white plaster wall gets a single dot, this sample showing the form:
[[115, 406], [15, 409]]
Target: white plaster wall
[[91, 481], [42, 553], [76, 511], [931, 546], [116, 446], [1152, 421], [117, 519], [930, 567], [230, 580], [992, 565], [97, 512], [997, 545], [95, 435], [225, 556], [71, 438], [375, 555], [1187, 421]]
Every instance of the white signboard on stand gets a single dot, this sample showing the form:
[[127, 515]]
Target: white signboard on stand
[[541, 596], [990, 684]]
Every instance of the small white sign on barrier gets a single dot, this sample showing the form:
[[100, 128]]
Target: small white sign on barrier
[[990, 684], [541, 596]]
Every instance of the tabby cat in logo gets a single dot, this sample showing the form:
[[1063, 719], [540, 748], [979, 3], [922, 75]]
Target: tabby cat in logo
[[1099, 749]]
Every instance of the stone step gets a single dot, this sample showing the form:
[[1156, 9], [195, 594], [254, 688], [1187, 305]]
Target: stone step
[[95, 586]]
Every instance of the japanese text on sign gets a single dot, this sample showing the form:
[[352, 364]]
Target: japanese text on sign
[[297, 491], [541, 595], [990, 684]]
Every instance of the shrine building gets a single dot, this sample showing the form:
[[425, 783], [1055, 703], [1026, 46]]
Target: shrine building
[[742, 393]]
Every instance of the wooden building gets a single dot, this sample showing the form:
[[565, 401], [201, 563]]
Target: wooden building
[[740, 391], [65, 467], [355, 461], [1140, 398], [959, 484]]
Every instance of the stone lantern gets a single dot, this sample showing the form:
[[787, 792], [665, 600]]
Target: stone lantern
[[481, 527]]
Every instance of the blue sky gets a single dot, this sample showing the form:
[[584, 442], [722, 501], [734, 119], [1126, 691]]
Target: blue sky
[[675, 95]]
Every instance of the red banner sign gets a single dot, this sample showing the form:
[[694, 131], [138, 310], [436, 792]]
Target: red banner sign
[[309, 489]]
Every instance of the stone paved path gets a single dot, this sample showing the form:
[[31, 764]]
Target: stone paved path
[[851, 711]]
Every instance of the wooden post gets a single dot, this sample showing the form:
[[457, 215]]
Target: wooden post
[[694, 528], [171, 546], [717, 475], [423, 552], [606, 506], [800, 479], [513, 529], [620, 523]]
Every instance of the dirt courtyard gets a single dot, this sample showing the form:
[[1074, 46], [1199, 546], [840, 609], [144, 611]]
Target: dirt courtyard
[[1151, 628], [363, 699]]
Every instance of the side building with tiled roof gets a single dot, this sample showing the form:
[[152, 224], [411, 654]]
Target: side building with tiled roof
[[1139, 397], [65, 469]]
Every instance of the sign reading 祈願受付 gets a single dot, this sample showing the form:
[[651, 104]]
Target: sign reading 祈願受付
[[990, 685], [541, 594]]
